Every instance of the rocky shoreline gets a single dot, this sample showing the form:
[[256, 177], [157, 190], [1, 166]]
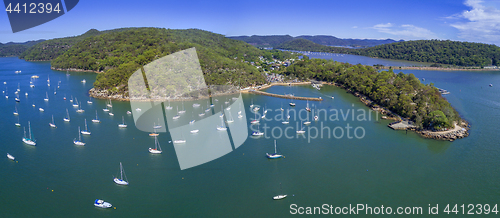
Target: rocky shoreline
[[460, 131]]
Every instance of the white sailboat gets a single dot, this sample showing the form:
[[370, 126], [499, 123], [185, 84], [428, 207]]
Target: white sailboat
[[80, 110], [255, 120], [291, 102], [86, 131], [46, 97], [122, 125], [181, 140], [18, 124], [66, 119], [251, 105], [230, 118], [168, 107], [76, 102], [183, 110], [52, 124], [10, 156], [89, 101], [307, 107], [110, 104], [157, 126], [222, 127], [154, 133], [157, 149], [121, 181], [301, 131], [96, 120], [106, 109], [258, 132], [194, 131], [41, 109], [287, 121], [15, 112], [281, 196], [275, 155], [79, 141], [30, 140]]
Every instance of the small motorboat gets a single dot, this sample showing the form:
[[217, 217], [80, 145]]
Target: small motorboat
[[10, 157], [102, 204]]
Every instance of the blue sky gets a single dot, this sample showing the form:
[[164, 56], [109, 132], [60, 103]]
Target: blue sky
[[470, 20]]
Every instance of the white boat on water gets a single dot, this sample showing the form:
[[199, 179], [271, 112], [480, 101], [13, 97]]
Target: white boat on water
[[10, 157], [180, 141], [129, 112], [168, 107], [80, 110], [196, 105], [222, 127], [111, 114], [52, 124], [275, 155], [102, 204], [66, 119], [86, 131], [41, 109], [15, 112], [281, 196], [307, 122], [96, 120], [76, 103], [121, 181], [122, 125], [194, 131], [255, 120], [79, 141], [18, 124], [46, 97], [110, 104], [154, 133], [30, 140], [157, 149]]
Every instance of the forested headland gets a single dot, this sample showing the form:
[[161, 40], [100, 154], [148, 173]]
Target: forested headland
[[401, 93], [465, 54]]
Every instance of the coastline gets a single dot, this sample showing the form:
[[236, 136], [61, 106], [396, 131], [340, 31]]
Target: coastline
[[434, 68]]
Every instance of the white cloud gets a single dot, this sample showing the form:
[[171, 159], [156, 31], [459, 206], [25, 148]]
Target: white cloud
[[406, 31], [481, 23], [354, 27]]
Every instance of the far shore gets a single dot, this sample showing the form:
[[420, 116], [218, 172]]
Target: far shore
[[436, 68]]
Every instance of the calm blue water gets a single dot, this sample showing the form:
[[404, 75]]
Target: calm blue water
[[384, 167]]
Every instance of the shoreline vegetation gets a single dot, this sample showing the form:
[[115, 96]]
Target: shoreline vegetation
[[438, 68]]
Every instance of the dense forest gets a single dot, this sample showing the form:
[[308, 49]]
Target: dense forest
[[15, 49], [401, 93], [120, 53], [50, 49], [275, 40], [432, 51]]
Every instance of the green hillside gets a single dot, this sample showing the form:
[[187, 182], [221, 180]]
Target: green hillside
[[433, 51], [118, 54]]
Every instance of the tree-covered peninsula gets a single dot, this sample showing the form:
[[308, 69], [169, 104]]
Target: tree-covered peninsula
[[401, 93], [118, 54], [465, 54]]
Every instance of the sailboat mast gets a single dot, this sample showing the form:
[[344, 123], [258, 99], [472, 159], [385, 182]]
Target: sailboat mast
[[29, 128], [121, 170], [275, 147]]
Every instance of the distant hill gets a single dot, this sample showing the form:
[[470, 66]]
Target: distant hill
[[275, 40], [15, 49], [50, 49], [117, 54], [432, 51]]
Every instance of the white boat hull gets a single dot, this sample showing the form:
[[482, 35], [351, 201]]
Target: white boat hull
[[195, 131], [10, 157], [154, 151], [279, 197], [102, 204], [120, 182]]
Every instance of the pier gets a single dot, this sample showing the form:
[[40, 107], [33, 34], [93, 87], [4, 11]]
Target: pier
[[285, 96]]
